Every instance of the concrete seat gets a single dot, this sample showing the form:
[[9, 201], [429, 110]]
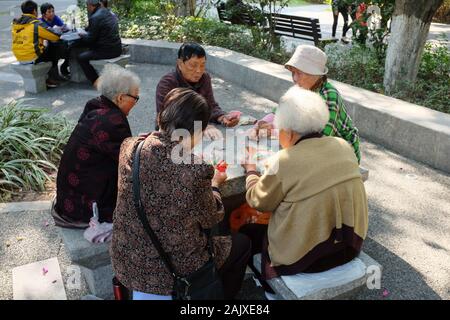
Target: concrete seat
[[77, 74], [93, 259], [33, 75], [303, 286], [121, 61]]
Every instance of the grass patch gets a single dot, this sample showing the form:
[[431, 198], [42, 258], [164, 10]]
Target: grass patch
[[31, 145]]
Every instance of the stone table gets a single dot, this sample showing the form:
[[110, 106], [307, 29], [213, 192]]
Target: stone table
[[232, 149]]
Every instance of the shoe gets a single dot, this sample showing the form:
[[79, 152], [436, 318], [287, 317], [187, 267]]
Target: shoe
[[65, 70], [52, 83], [59, 78], [54, 75], [345, 40]]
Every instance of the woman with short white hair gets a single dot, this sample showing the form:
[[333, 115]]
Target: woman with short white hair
[[314, 190], [88, 169]]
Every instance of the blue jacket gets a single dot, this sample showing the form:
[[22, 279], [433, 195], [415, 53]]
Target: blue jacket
[[57, 21]]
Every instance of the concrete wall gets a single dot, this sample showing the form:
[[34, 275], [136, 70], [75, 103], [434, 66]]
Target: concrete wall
[[416, 132]]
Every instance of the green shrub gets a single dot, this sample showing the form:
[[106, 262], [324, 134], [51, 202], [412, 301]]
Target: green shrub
[[202, 30], [360, 66], [432, 88], [31, 144]]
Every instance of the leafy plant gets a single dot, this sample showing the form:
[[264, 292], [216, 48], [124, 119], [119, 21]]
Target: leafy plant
[[31, 144], [360, 66]]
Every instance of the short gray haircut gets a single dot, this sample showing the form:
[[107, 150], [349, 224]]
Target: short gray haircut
[[93, 2], [116, 80], [302, 111]]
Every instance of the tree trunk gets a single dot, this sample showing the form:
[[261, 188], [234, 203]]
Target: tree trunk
[[186, 8], [409, 30]]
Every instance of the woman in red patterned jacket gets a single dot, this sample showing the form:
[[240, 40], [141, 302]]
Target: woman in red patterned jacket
[[88, 169]]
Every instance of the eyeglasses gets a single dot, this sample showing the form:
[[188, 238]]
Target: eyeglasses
[[136, 98], [194, 67]]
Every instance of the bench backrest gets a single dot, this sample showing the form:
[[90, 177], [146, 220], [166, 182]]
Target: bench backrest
[[297, 27], [243, 17]]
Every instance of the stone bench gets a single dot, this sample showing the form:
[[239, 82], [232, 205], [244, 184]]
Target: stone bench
[[93, 259], [345, 290], [77, 74], [33, 75]]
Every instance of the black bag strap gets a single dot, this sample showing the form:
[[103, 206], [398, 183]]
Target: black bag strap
[[143, 216]]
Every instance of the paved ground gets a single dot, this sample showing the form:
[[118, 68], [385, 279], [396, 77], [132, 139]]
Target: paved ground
[[408, 202]]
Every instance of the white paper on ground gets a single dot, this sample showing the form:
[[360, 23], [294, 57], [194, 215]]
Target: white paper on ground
[[303, 284], [30, 282]]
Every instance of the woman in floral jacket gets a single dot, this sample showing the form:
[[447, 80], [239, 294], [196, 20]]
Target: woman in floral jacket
[[181, 197], [88, 169]]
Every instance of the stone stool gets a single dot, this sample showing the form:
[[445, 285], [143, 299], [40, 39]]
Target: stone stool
[[33, 75]]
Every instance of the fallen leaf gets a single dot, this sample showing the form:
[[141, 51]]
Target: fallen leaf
[[44, 271], [54, 281], [8, 244], [20, 238]]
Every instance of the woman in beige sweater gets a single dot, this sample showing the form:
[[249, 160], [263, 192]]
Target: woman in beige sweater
[[314, 190]]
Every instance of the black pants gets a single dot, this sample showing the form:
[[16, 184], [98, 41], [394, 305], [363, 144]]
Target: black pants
[[52, 53], [256, 232], [233, 270], [86, 56], [344, 12]]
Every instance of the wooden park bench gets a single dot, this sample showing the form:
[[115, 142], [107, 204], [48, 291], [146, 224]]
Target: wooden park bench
[[284, 25], [297, 27], [243, 17]]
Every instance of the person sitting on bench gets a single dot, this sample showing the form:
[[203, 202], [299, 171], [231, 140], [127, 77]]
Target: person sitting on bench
[[309, 71], [87, 171], [104, 4], [190, 73], [314, 190], [102, 37], [28, 36], [49, 18], [56, 24]]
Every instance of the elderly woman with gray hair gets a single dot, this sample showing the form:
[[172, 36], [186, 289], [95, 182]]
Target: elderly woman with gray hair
[[314, 190], [88, 169]]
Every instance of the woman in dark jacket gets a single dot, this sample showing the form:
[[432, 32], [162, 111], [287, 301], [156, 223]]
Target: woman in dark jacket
[[180, 195], [88, 169]]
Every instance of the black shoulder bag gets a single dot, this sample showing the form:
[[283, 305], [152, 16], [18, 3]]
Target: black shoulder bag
[[203, 284]]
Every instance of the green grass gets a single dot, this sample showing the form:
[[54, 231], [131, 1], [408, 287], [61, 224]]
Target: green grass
[[31, 144]]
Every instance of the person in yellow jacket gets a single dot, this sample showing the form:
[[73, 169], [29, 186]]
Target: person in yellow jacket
[[28, 35]]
